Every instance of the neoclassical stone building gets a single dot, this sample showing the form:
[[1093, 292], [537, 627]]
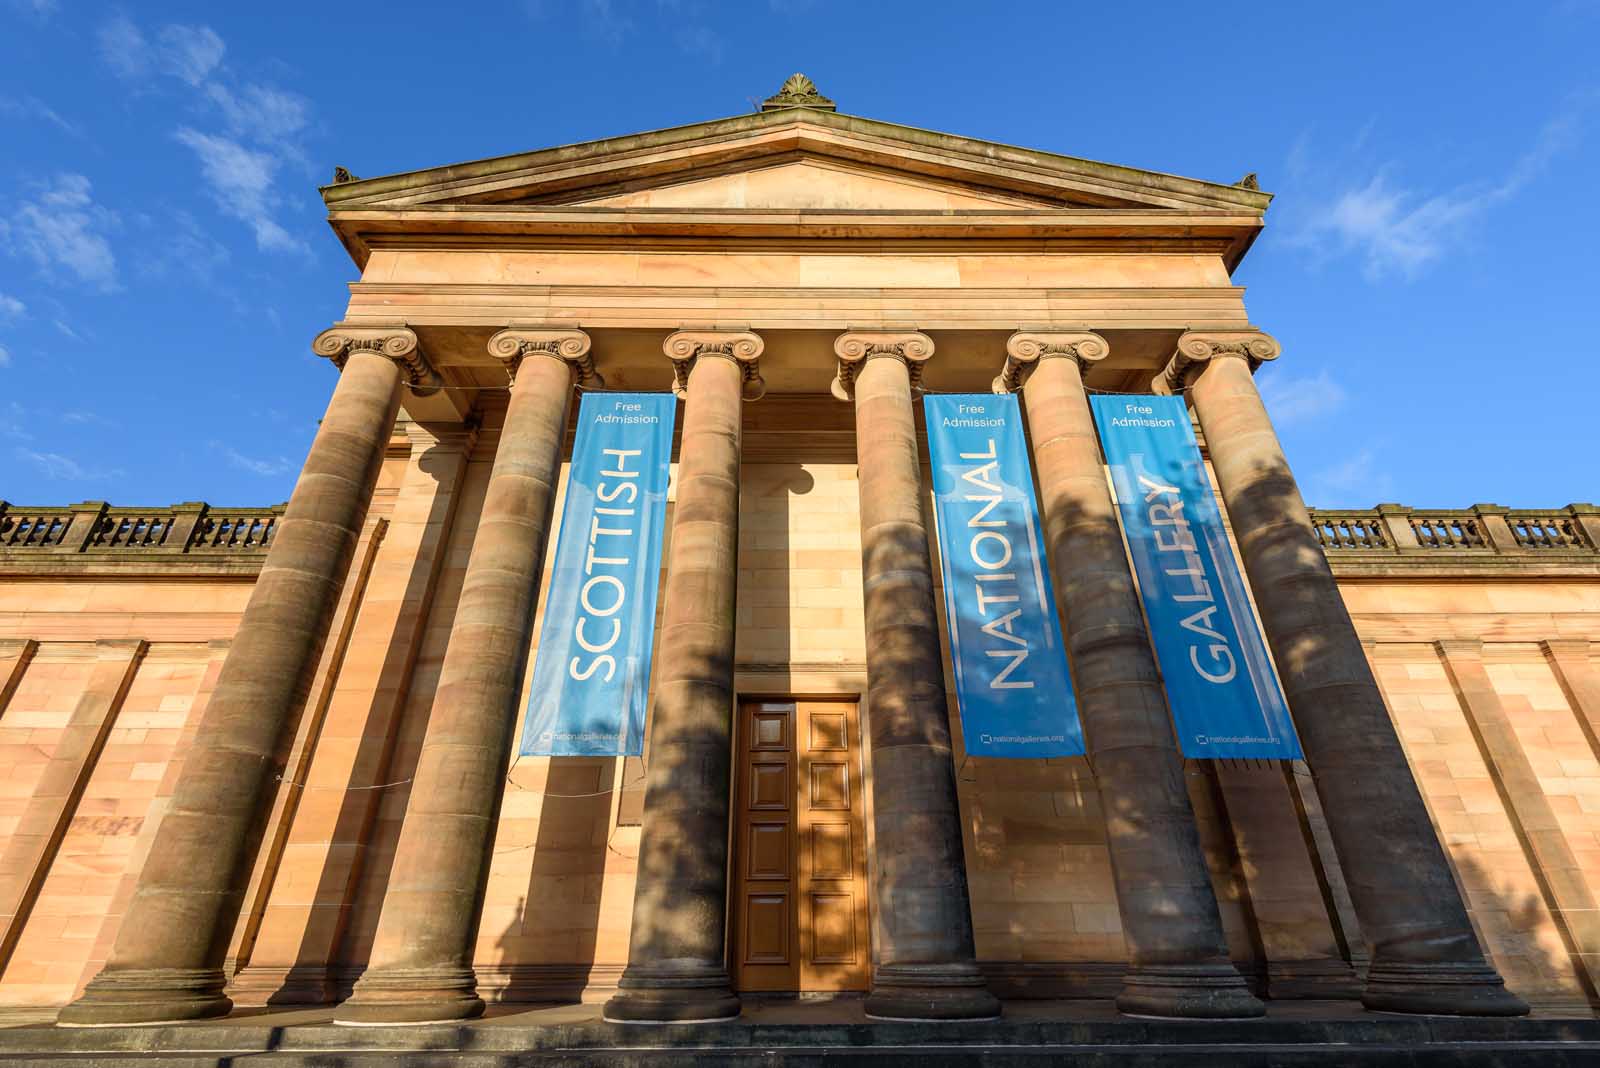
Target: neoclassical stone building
[[264, 755]]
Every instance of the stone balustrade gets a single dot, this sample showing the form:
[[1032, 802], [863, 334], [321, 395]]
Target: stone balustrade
[[95, 531], [194, 529], [1482, 529]]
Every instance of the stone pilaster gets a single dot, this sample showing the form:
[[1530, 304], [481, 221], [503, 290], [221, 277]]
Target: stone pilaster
[[421, 965], [926, 968], [1176, 946], [677, 961], [1425, 956], [167, 962]]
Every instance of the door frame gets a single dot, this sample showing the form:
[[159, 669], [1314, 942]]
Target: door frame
[[862, 768]]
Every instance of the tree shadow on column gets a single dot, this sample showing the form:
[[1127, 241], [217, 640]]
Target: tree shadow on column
[[558, 920]]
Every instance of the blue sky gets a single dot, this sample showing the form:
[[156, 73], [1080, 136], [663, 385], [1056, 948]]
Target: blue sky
[[1428, 264]]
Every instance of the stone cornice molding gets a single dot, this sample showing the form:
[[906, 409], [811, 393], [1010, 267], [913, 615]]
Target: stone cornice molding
[[1197, 349], [854, 347], [1026, 348], [516, 343], [396, 341], [684, 347]]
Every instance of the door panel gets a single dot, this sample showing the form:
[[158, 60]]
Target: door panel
[[800, 901]]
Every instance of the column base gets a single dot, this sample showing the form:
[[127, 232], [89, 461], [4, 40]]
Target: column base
[[411, 996], [118, 997], [932, 992], [1188, 992], [1442, 989], [660, 994]]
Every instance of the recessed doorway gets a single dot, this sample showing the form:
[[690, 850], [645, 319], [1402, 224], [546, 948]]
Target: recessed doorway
[[800, 853]]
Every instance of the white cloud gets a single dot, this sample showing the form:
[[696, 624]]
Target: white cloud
[[54, 465], [602, 19], [1401, 230], [266, 468], [124, 48], [5, 357], [64, 228], [31, 107], [11, 307], [261, 111], [260, 123], [1300, 400], [41, 8], [241, 184], [185, 247], [188, 53], [67, 330], [81, 418], [1357, 480], [701, 42]]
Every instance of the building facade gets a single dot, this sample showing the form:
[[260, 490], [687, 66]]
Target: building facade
[[264, 755]]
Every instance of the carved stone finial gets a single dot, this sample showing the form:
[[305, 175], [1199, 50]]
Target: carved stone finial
[[517, 342], [395, 341], [798, 92], [1026, 348], [1249, 182], [1197, 349], [684, 347], [855, 347], [341, 176]]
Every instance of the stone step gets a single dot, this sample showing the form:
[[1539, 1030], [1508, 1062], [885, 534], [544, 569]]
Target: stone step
[[1273, 1055], [1305, 1034]]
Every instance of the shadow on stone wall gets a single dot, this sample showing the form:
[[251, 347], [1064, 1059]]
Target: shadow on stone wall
[[557, 922], [1533, 954]]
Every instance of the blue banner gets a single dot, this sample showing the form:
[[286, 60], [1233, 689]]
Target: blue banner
[[1012, 684], [1224, 696], [592, 673]]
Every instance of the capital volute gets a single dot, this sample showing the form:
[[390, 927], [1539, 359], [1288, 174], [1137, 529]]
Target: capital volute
[[394, 341], [571, 346], [855, 347], [684, 347], [1026, 348], [1196, 349]]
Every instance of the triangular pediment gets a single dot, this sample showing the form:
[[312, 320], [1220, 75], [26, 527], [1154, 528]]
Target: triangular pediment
[[796, 159], [812, 185]]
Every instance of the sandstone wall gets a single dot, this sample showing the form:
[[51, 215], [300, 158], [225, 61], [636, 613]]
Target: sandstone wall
[[104, 674]]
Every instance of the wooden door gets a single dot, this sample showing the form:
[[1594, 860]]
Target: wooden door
[[800, 856]]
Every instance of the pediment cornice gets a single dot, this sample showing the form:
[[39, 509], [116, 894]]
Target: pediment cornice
[[589, 189], [561, 175]]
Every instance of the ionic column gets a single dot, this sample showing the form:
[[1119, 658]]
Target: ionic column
[[926, 968], [420, 970], [1425, 957], [677, 966], [1176, 946], [168, 957]]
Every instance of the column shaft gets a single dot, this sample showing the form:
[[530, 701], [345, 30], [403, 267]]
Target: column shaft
[[1176, 946], [421, 964], [677, 969], [926, 968], [1425, 956], [167, 962]]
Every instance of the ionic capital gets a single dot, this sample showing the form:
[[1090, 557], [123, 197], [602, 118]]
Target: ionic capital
[[1026, 348], [856, 347], [1197, 348], [516, 343], [395, 341], [684, 347]]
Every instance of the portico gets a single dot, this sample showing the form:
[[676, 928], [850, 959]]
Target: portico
[[796, 277]]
